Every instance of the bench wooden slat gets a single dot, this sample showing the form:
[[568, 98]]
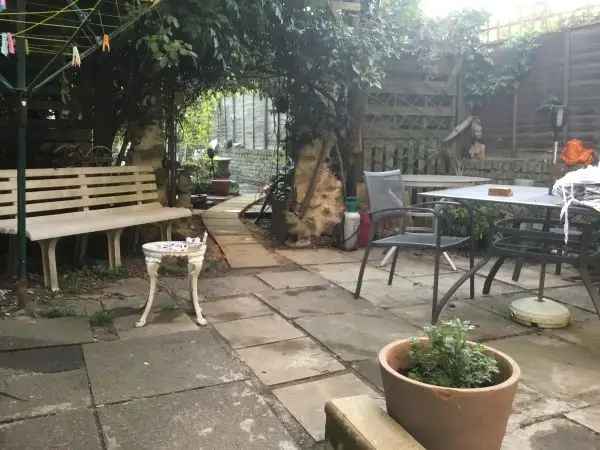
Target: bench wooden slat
[[65, 171]]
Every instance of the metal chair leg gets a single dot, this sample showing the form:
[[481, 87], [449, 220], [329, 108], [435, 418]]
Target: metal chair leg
[[362, 272], [436, 276], [393, 268], [449, 261], [492, 274], [558, 269], [517, 271], [593, 291], [440, 305]]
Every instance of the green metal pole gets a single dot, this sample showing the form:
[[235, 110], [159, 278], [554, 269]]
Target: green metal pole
[[21, 144]]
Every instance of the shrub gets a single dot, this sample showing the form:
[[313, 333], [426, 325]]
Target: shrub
[[449, 360]]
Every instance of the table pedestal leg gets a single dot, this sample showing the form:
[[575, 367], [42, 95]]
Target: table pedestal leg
[[194, 268], [152, 265]]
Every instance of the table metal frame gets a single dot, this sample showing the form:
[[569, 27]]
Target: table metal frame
[[521, 196]]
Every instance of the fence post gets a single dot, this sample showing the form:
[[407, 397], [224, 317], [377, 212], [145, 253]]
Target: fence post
[[566, 79]]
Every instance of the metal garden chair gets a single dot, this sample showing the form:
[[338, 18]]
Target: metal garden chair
[[385, 193]]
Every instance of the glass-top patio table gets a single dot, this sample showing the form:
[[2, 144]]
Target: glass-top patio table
[[548, 312]]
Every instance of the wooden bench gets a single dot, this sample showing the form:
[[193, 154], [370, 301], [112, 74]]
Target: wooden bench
[[80, 200]]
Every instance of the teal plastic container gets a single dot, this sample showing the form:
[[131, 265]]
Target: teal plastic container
[[351, 204]]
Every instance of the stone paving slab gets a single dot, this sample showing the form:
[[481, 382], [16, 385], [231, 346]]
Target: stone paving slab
[[158, 365], [292, 279], [306, 401], [588, 417], [358, 335], [411, 264], [552, 434], [529, 278], [447, 280], [317, 256], [500, 304], [530, 406], [289, 360], [26, 333], [257, 331], [128, 287], [348, 272], [159, 323], [137, 303], [584, 334], [241, 256], [572, 295], [320, 300], [553, 367], [233, 416], [487, 325], [74, 430], [402, 292], [235, 308], [41, 394], [229, 286], [369, 369], [46, 360]]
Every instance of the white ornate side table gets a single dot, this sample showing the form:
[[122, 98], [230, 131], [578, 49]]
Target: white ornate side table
[[156, 251]]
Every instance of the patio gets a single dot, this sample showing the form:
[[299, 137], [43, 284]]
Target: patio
[[281, 341]]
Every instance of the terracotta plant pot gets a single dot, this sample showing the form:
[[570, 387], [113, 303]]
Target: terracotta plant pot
[[443, 418]]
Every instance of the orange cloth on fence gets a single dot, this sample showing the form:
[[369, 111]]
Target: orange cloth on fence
[[575, 153]]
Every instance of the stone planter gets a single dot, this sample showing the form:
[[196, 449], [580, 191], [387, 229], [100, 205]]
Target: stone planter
[[220, 187], [448, 418], [222, 167]]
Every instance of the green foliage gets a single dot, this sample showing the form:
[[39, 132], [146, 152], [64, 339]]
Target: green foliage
[[449, 360], [200, 173], [101, 319], [488, 70], [58, 311], [196, 124]]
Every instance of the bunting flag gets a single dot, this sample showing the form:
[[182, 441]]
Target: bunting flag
[[76, 60], [2, 5], [106, 43]]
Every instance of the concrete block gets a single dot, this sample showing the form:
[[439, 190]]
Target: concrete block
[[359, 423]]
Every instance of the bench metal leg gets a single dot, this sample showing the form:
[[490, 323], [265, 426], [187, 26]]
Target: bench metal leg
[[166, 231], [113, 238], [49, 264]]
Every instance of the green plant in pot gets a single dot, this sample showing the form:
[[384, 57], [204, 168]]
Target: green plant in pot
[[448, 392]]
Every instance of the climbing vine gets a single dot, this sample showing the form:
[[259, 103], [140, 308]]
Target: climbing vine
[[488, 70]]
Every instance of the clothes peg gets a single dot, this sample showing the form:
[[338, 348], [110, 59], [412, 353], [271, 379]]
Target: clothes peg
[[76, 60], [106, 43], [4, 44], [11, 43]]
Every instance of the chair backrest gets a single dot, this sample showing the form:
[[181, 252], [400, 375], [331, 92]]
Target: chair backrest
[[54, 191], [385, 190]]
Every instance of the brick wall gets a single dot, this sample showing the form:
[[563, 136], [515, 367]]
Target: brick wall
[[505, 170]]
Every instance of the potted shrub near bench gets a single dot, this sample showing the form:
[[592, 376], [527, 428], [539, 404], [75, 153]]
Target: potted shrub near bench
[[447, 392]]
